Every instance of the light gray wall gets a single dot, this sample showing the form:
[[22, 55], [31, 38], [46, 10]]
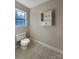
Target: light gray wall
[[25, 28], [52, 35]]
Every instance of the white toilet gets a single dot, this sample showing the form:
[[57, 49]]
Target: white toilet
[[23, 40]]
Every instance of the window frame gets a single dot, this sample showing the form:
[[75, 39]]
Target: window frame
[[25, 13]]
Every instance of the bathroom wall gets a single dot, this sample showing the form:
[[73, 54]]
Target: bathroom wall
[[19, 29], [52, 35]]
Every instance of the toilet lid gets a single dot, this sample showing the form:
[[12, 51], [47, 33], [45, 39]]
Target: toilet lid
[[26, 40]]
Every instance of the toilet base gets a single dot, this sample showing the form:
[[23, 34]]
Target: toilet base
[[24, 47]]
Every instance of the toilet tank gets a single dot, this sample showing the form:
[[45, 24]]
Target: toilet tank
[[20, 36]]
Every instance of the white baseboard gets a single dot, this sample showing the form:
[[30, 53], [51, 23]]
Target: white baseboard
[[50, 47]]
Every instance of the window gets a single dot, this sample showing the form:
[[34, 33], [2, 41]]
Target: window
[[20, 18]]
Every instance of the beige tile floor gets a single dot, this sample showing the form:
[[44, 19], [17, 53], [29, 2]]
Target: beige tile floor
[[36, 51]]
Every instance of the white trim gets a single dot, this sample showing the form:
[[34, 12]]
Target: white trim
[[50, 47], [20, 10], [21, 33]]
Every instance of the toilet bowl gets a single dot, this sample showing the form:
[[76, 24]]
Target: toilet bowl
[[25, 42]]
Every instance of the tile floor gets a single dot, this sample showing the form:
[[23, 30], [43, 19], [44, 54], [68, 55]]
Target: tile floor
[[36, 51]]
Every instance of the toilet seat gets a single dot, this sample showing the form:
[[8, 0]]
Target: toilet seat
[[25, 40]]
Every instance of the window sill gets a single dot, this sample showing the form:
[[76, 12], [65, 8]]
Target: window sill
[[20, 25]]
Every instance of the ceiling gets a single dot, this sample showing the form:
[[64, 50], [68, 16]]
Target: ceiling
[[31, 3]]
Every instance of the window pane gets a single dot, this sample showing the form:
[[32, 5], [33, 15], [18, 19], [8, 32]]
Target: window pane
[[19, 18], [23, 21]]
